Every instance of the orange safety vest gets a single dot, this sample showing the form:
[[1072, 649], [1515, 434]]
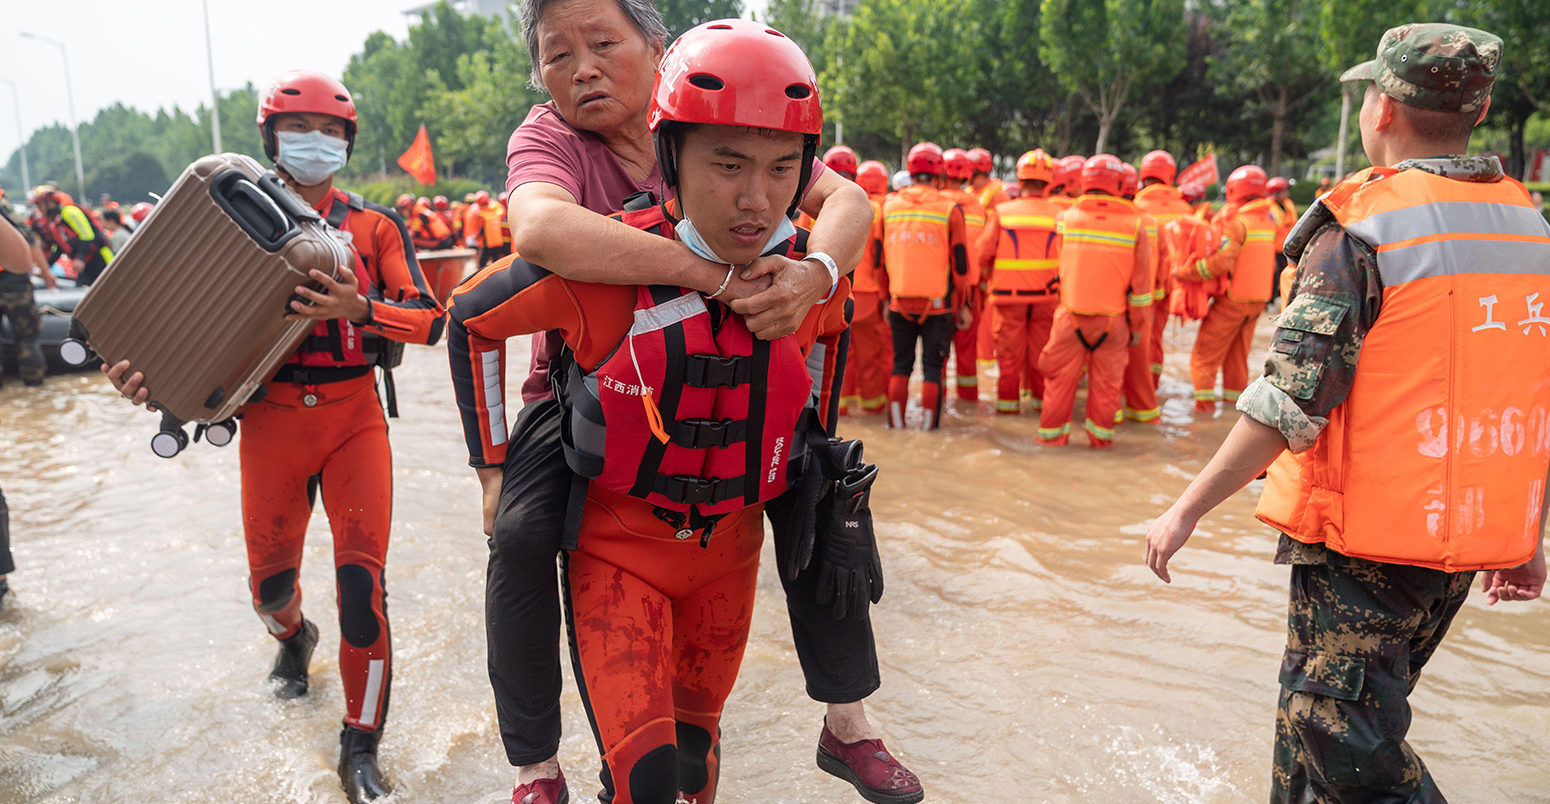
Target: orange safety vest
[[1438, 456], [1165, 204], [1253, 274], [1027, 262], [1186, 240], [864, 278], [1097, 254], [974, 226], [916, 251], [988, 193]]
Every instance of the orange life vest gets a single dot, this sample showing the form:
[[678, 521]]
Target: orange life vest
[[1097, 254], [1027, 263], [974, 226], [916, 248], [1186, 240], [864, 278], [1165, 204], [1254, 272], [1438, 456]]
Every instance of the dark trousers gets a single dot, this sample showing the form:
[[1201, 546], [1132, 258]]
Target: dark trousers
[[1357, 638], [522, 610], [6, 565], [18, 306], [935, 336]]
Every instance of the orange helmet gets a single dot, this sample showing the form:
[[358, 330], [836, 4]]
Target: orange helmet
[[1103, 173], [983, 161], [482, 198], [1192, 192], [957, 163], [140, 210], [873, 177], [926, 158], [1132, 181], [1276, 185], [1068, 171], [1159, 165], [308, 92], [1246, 182], [1035, 166], [840, 159], [439, 202]]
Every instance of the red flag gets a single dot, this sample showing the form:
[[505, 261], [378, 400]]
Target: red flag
[[418, 161], [1203, 173]]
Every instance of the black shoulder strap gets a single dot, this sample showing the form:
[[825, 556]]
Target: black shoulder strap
[[337, 213]]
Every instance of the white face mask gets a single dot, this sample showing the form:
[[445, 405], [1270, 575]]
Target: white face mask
[[310, 156], [692, 238]]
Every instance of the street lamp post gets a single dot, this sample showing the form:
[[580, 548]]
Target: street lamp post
[[75, 127], [215, 98], [16, 98]]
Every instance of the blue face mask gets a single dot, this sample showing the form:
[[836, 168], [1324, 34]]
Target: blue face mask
[[692, 238], [311, 156]]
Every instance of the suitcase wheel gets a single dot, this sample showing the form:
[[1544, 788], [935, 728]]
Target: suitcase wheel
[[221, 433], [74, 353], [168, 443]]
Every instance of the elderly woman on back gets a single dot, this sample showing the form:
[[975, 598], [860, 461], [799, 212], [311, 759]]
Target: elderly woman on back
[[573, 160]]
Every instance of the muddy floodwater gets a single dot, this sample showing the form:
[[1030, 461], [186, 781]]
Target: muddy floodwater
[[1027, 653]]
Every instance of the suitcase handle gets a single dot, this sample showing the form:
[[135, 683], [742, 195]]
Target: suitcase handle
[[254, 210], [293, 206]]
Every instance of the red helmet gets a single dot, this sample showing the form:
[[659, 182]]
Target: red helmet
[[1193, 192], [503, 196], [873, 177], [1159, 165], [1103, 173], [1068, 171], [1132, 181], [139, 211], [1246, 182], [1276, 185], [1035, 166], [841, 159], [305, 91], [957, 163], [736, 72], [403, 200], [482, 198], [983, 162], [440, 202], [925, 157]]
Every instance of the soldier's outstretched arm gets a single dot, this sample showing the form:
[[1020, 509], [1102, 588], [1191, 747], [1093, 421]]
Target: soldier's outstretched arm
[[1246, 454]]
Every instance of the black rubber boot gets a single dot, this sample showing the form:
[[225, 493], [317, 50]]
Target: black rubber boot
[[358, 772], [289, 675], [5, 587]]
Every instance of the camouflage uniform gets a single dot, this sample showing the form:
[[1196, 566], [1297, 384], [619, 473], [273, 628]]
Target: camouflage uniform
[[1358, 631], [16, 304]]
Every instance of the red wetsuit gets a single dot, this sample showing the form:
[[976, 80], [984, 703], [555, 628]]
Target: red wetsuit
[[321, 419], [659, 613]]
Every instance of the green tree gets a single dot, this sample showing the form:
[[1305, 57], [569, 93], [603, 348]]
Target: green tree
[[128, 176], [1267, 57], [1106, 50], [1523, 78], [469, 126], [681, 15]]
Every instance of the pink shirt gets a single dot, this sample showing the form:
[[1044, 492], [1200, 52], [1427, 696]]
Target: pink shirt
[[546, 148]]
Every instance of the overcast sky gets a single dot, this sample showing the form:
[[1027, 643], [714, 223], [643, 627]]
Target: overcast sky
[[150, 54]]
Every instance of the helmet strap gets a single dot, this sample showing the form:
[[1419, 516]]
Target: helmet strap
[[809, 153]]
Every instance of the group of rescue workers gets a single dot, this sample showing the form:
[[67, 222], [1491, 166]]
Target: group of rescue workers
[[693, 349], [1072, 271]]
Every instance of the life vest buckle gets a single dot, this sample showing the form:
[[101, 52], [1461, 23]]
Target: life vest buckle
[[709, 433], [691, 490], [715, 371]]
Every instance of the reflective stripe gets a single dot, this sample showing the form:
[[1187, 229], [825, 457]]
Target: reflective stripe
[[1456, 237], [965, 381], [1007, 405], [1050, 433], [1205, 395], [1140, 299], [1104, 433], [1202, 269], [1157, 368], [667, 314], [874, 403], [1474, 255], [494, 405], [1150, 414], [914, 215], [1159, 294], [1254, 235], [1098, 236], [1027, 221], [974, 220], [368, 716], [1010, 264], [1230, 396]]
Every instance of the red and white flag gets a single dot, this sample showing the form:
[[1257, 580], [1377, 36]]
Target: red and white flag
[[1203, 173], [418, 160]]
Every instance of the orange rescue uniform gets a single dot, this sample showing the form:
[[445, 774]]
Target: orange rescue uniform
[[966, 341], [1105, 288], [870, 357], [1019, 257], [1246, 257], [1165, 204]]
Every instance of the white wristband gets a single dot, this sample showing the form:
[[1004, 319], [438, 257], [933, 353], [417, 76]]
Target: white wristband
[[834, 271]]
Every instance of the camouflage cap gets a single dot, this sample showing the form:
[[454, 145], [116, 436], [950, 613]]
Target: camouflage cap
[[1434, 65]]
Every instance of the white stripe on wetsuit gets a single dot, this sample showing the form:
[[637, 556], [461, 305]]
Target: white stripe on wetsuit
[[494, 404]]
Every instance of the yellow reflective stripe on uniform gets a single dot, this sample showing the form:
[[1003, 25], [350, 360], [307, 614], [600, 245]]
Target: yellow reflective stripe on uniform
[[1230, 396], [1205, 394], [1050, 433], [973, 220], [1099, 236], [1009, 264], [1105, 433], [1148, 415], [965, 381], [1008, 405], [1158, 294], [1202, 269], [915, 215], [1139, 299], [1027, 221], [1259, 234], [874, 403], [79, 222]]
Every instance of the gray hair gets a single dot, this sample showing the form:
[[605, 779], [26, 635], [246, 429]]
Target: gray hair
[[643, 14]]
